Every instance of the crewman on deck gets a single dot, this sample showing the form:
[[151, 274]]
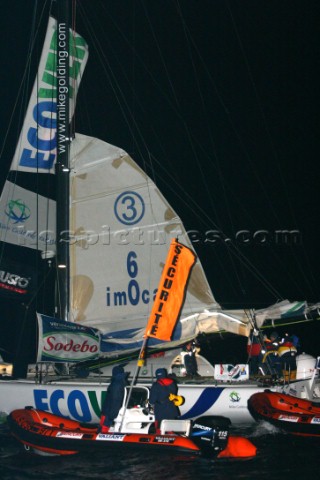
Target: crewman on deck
[[287, 352], [270, 362], [254, 351], [114, 398], [163, 407], [189, 360]]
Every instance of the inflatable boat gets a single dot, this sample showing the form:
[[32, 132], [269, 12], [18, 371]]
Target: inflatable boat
[[44, 433], [294, 415]]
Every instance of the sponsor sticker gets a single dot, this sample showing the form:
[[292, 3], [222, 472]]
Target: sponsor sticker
[[288, 418], [110, 436], [69, 435], [315, 420], [164, 439]]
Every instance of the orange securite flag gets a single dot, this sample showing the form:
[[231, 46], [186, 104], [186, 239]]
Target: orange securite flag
[[171, 291]]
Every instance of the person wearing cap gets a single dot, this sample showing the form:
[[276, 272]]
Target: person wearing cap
[[188, 356], [114, 398], [163, 407], [254, 351], [288, 352], [270, 362]]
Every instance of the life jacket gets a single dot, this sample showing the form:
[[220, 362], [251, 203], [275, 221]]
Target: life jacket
[[165, 381], [253, 346], [287, 347], [271, 346]]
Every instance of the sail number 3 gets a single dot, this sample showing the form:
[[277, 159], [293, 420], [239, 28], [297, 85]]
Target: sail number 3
[[129, 208]]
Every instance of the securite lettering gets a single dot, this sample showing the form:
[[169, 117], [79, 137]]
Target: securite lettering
[[133, 294], [52, 345], [74, 404], [165, 289]]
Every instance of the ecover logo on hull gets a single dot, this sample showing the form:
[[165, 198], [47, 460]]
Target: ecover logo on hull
[[81, 406]]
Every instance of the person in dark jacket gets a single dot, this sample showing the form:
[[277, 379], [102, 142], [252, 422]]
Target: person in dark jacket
[[114, 398], [189, 360], [163, 407], [287, 352], [254, 351], [270, 361]]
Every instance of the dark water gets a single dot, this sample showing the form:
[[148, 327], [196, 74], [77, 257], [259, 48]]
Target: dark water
[[279, 456]]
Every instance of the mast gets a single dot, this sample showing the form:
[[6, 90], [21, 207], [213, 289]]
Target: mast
[[63, 163]]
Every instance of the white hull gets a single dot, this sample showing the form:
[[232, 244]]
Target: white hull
[[82, 400]]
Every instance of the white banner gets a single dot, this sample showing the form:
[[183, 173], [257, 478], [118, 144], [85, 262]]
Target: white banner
[[61, 341]]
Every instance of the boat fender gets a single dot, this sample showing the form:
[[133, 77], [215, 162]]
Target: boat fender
[[238, 447], [176, 399]]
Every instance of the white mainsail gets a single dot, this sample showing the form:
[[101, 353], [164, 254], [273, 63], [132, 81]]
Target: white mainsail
[[122, 227]]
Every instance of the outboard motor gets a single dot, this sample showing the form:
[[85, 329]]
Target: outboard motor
[[211, 433]]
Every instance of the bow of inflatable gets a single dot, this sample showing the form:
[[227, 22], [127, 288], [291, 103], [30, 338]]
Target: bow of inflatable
[[238, 447]]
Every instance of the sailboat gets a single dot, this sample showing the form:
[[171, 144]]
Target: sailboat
[[84, 234]]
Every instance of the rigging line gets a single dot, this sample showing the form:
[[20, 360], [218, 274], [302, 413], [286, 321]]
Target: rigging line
[[135, 144], [154, 80], [301, 268], [146, 69], [26, 72], [120, 96], [106, 66], [161, 56], [159, 86], [111, 75], [23, 93], [238, 254], [295, 280], [189, 136], [72, 48], [273, 149], [187, 35], [235, 130], [141, 61], [185, 28], [195, 154]]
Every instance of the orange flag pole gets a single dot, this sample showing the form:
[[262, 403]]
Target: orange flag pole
[[168, 301]]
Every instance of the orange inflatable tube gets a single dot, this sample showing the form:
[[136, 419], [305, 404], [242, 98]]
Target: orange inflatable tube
[[238, 447]]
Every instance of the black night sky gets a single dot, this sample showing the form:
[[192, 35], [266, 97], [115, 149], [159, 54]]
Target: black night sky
[[219, 101]]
